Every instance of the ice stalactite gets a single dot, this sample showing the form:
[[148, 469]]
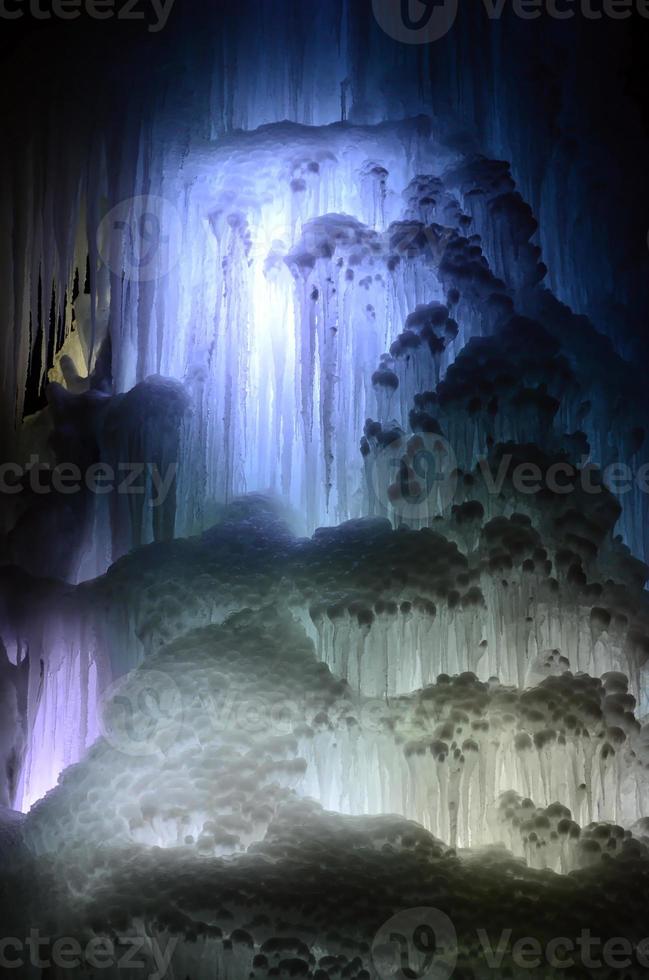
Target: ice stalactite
[[62, 723], [139, 440], [360, 55], [14, 681], [312, 288], [301, 245], [61, 672]]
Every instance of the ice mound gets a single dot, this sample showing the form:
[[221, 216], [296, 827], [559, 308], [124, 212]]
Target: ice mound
[[312, 897], [203, 771], [217, 729], [493, 590]]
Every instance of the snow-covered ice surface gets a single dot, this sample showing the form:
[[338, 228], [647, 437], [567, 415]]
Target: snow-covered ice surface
[[284, 761]]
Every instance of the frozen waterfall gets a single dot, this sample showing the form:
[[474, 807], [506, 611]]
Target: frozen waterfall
[[325, 501]]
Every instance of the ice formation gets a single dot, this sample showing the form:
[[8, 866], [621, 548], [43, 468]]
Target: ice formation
[[372, 633]]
